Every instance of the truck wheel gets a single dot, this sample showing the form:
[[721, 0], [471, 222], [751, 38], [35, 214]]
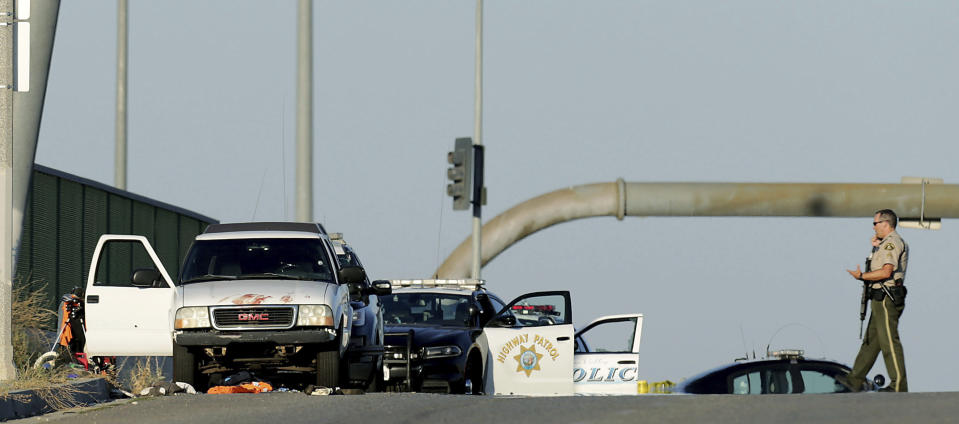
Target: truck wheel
[[328, 368], [184, 366], [376, 385]]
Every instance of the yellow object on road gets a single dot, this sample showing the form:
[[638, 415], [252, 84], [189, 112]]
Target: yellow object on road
[[642, 386], [664, 386]]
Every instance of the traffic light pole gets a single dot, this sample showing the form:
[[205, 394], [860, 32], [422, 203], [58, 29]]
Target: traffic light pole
[[477, 199], [478, 139]]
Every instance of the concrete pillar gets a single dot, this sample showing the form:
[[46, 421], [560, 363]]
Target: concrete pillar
[[7, 371], [19, 127]]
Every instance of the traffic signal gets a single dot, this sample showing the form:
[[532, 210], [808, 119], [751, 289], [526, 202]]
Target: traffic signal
[[460, 173]]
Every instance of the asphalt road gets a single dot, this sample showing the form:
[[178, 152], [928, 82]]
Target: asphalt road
[[291, 408]]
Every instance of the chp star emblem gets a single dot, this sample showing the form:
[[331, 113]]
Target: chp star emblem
[[528, 360]]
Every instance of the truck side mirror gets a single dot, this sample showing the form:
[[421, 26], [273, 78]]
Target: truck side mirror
[[352, 275], [381, 288], [145, 277]]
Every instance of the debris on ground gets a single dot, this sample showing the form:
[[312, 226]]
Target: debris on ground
[[164, 388], [251, 387], [320, 390], [241, 382], [325, 391], [238, 378]]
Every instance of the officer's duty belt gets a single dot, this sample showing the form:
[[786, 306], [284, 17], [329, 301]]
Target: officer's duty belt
[[895, 283]]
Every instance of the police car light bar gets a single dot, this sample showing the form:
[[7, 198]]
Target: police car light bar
[[787, 353], [466, 283]]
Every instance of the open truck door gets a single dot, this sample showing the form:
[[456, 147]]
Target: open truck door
[[530, 346], [128, 300], [607, 355]]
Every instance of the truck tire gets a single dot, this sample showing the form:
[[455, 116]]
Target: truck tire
[[184, 366], [328, 368], [376, 383]]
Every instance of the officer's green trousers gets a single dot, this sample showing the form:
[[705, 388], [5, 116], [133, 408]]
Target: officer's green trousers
[[882, 335]]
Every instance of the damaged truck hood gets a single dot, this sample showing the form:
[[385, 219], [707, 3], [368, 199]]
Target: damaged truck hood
[[256, 292]]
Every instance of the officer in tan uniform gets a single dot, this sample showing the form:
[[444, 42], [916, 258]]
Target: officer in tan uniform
[[887, 272]]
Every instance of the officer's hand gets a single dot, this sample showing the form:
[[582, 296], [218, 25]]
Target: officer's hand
[[875, 241], [857, 274]]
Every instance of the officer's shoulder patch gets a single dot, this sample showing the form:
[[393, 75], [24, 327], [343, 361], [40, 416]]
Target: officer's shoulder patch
[[889, 246]]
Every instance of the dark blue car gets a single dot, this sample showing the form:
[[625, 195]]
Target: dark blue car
[[783, 372]]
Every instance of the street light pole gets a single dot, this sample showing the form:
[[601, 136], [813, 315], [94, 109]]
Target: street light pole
[[478, 136], [120, 154], [304, 112]]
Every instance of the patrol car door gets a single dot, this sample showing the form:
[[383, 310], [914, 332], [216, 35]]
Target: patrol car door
[[529, 346], [123, 318], [607, 355]]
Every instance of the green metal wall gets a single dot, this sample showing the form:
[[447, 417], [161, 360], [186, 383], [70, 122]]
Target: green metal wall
[[65, 217]]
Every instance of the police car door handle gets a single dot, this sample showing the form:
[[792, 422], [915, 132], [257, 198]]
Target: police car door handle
[[93, 298], [626, 362], [562, 338]]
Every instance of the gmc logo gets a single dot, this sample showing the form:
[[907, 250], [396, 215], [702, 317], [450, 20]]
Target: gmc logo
[[253, 317]]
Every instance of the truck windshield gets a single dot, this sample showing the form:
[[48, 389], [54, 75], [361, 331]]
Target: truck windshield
[[233, 259], [432, 309]]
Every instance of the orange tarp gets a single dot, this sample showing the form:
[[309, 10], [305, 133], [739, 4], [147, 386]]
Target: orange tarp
[[67, 335], [254, 387]]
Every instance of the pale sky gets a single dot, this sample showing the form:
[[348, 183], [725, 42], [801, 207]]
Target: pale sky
[[576, 92]]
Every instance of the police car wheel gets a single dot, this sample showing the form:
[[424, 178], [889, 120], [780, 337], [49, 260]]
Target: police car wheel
[[473, 377]]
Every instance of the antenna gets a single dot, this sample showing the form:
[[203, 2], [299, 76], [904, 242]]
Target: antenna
[[791, 324], [742, 335], [259, 192], [286, 215]]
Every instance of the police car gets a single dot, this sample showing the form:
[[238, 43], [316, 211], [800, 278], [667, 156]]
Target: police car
[[781, 372], [432, 328], [454, 336]]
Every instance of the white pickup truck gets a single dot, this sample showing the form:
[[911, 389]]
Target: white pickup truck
[[268, 297]]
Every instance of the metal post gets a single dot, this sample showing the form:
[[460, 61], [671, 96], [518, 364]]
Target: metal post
[[478, 136], [304, 112], [120, 155]]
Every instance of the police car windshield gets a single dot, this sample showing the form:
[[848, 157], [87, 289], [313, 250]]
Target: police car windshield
[[432, 309], [238, 259]]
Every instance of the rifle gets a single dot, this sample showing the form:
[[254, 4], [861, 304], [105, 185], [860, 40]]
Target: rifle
[[865, 292], [862, 306]]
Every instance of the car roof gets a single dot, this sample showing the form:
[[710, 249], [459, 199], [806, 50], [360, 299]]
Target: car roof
[[258, 235], [434, 290], [764, 361], [430, 283], [305, 227]]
